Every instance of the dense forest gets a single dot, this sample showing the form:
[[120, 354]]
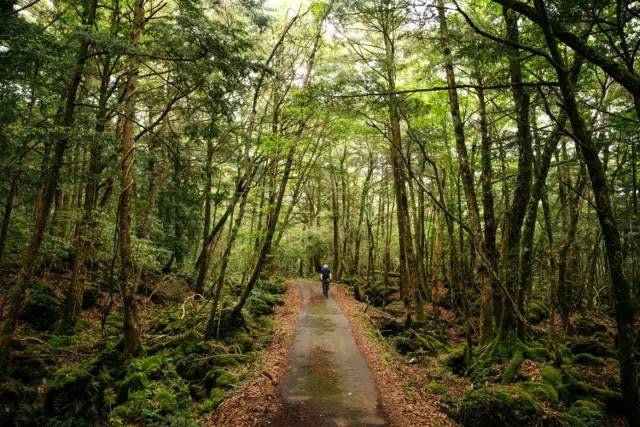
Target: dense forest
[[467, 168]]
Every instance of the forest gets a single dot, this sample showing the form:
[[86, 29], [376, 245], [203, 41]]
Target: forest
[[174, 173]]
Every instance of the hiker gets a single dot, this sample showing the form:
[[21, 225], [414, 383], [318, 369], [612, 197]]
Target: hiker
[[325, 277]]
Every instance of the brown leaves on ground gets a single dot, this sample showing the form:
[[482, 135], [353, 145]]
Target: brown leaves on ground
[[401, 386], [258, 400]]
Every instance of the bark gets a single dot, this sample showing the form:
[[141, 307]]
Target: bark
[[488, 289], [131, 326], [516, 213], [6, 217], [624, 310]]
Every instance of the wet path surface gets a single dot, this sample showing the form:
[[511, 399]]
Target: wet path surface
[[328, 382]]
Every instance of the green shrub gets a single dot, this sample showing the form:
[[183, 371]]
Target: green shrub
[[499, 406]]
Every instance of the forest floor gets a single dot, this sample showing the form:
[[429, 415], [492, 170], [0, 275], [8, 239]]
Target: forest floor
[[325, 367]]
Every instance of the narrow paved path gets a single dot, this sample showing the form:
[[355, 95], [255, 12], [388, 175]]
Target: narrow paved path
[[328, 382]]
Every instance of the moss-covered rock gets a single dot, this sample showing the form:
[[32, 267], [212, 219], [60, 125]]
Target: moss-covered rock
[[499, 406], [90, 297], [590, 413], [12, 394], [538, 353], [41, 308], [542, 391], [552, 376], [374, 294], [194, 367], [456, 360], [537, 312], [587, 326], [74, 393], [591, 346], [588, 359]]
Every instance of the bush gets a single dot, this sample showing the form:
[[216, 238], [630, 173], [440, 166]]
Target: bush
[[499, 406]]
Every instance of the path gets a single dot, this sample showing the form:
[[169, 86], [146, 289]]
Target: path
[[328, 382]]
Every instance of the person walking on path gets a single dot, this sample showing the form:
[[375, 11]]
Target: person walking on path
[[325, 277]]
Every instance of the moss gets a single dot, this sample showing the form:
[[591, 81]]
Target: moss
[[552, 376], [589, 413], [538, 353], [225, 360], [513, 370], [74, 393], [216, 397], [41, 308], [226, 380], [591, 346], [587, 326], [588, 359], [499, 406], [456, 360], [438, 388], [542, 391], [537, 312], [12, 393]]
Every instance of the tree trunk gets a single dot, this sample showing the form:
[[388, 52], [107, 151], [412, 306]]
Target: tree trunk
[[132, 343], [515, 215]]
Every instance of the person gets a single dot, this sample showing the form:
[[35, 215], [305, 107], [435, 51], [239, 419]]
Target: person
[[325, 277]]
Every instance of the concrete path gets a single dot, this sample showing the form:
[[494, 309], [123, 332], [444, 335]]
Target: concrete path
[[328, 382]]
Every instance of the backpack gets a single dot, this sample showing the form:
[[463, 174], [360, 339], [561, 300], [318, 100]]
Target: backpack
[[325, 273]]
